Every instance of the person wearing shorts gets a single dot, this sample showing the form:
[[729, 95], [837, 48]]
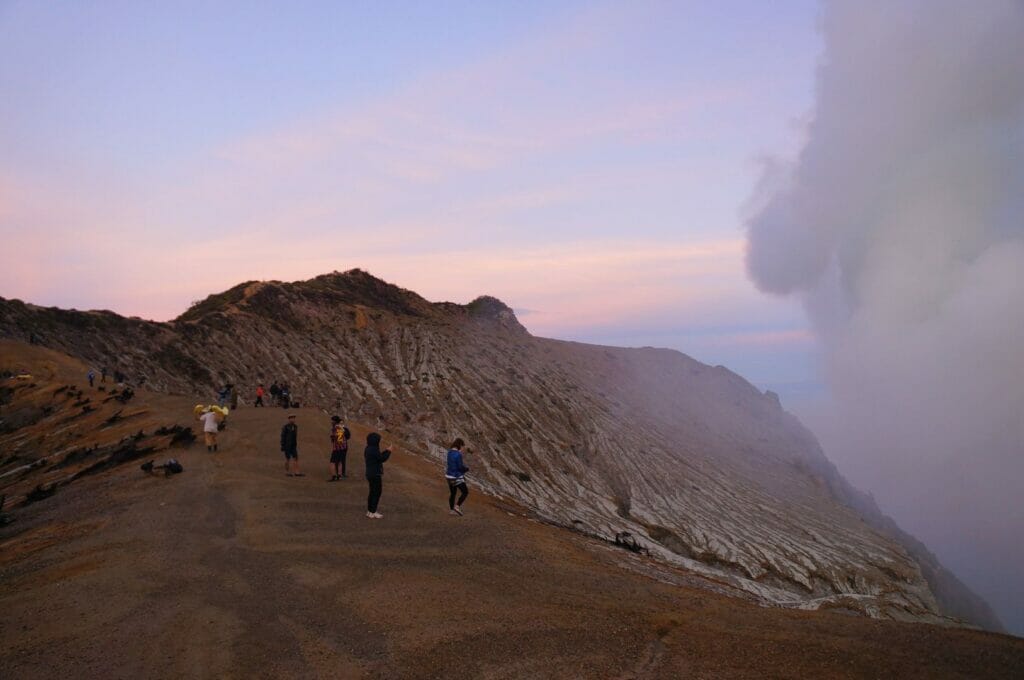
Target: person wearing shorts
[[210, 430], [290, 447], [339, 448]]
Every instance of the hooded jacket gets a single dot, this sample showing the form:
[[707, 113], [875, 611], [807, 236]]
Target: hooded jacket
[[290, 437], [455, 468], [374, 456]]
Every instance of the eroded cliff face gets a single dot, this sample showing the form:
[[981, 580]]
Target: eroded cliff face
[[702, 469]]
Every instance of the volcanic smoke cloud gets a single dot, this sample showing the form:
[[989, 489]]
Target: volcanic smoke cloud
[[901, 225]]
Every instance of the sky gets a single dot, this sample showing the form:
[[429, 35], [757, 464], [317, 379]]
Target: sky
[[587, 163], [795, 190]]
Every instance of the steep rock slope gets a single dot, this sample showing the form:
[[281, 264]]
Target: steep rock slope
[[698, 466]]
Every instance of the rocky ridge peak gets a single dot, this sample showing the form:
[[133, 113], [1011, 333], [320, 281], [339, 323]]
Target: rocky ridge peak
[[489, 308], [335, 291]]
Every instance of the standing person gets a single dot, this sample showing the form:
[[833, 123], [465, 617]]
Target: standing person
[[290, 447], [455, 474], [275, 392], [91, 375], [209, 419], [103, 374], [339, 448], [374, 473], [234, 397], [259, 395]]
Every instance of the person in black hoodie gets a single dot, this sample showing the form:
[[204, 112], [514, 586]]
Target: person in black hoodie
[[374, 472]]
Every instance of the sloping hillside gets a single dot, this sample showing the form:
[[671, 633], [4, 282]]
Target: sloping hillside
[[699, 467], [231, 569]]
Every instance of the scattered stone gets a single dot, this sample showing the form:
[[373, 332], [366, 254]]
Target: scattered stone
[[170, 467], [180, 434], [624, 539], [39, 493]]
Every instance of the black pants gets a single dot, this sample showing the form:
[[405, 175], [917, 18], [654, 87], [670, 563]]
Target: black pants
[[259, 401], [376, 487], [452, 488], [338, 458]]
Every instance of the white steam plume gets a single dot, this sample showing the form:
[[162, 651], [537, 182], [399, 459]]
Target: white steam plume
[[901, 224]]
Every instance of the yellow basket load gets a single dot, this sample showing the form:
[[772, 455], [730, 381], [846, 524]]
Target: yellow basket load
[[221, 411]]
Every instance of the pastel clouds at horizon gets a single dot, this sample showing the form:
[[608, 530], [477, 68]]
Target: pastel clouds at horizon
[[585, 162]]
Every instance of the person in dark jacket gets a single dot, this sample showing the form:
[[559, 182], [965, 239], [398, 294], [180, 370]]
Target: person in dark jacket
[[290, 447], [374, 473], [339, 448], [455, 474]]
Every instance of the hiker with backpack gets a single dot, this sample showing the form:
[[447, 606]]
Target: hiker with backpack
[[455, 474], [374, 473], [339, 448]]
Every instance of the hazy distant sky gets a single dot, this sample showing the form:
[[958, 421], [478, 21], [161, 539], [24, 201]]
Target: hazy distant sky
[[587, 163]]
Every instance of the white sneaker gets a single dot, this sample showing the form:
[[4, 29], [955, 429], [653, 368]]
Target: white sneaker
[[458, 510], [377, 515], [370, 515], [452, 512]]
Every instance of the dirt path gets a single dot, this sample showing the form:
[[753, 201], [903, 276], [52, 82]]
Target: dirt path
[[233, 569]]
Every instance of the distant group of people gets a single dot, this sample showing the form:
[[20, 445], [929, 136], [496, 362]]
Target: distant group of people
[[119, 377], [374, 457], [228, 396], [374, 454], [281, 395]]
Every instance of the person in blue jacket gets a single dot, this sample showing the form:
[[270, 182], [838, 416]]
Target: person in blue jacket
[[455, 474], [374, 473]]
